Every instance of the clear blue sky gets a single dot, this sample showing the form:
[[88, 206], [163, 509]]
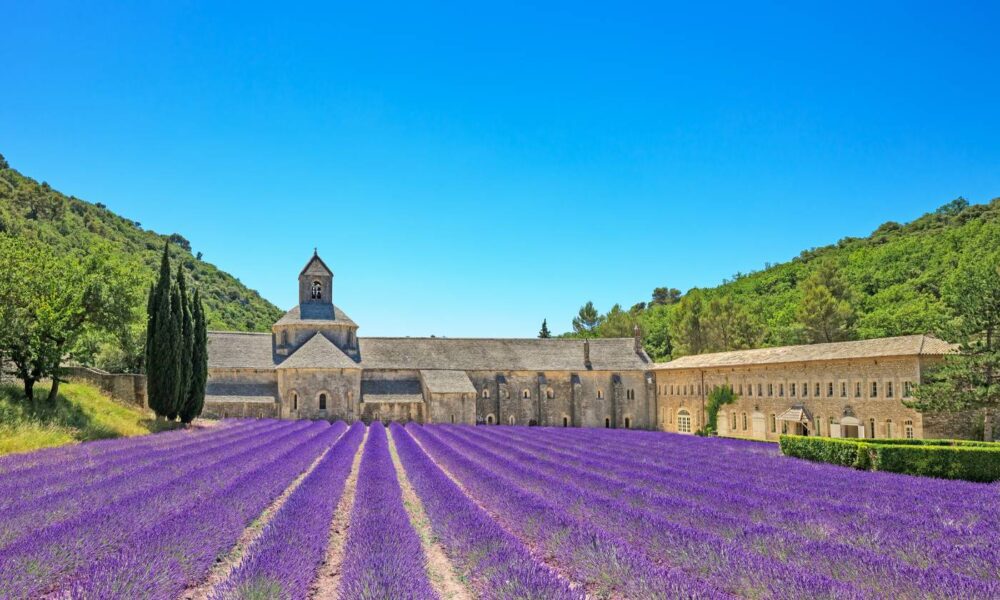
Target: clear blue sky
[[469, 169]]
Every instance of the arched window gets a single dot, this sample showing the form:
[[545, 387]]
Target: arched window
[[550, 393], [888, 428], [819, 425], [908, 429], [526, 393], [376, 416], [316, 291], [322, 401], [683, 421], [607, 423], [486, 392], [565, 421], [511, 419], [744, 421], [628, 423], [774, 423], [600, 394], [504, 393], [732, 421], [489, 419]]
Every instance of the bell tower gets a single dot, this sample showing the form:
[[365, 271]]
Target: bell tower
[[316, 289]]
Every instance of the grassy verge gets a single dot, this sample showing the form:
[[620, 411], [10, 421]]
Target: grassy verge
[[80, 413]]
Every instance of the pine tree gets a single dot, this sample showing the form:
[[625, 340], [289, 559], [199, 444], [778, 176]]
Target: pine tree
[[586, 320], [825, 310], [186, 341], [545, 333], [199, 364]]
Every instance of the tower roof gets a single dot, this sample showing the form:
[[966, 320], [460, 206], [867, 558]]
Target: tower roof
[[315, 260]]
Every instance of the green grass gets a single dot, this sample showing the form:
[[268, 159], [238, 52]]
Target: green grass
[[81, 413]]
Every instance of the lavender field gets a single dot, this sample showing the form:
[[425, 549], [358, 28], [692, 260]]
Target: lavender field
[[297, 509]]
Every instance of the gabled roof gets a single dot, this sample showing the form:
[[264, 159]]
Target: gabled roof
[[318, 353], [295, 316], [447, 382], [907, 345], [315, 260]]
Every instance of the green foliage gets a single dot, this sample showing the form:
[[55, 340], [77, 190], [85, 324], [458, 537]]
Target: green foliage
[[893, 281], [970, 379], [544, 333], [587, 320], [717, 398], [825, 310], [48, 302], [195, 401], [64, 225], [948, 459]]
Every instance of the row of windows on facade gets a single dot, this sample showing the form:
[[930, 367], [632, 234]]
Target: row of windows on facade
[[551, 393], [512, 420], [888, 430], [794, 390]]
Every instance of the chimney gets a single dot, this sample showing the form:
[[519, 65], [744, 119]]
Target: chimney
[[638, 340], [586, 354]]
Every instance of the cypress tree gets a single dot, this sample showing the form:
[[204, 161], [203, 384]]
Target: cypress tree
[[160, 354], [199, 364], [187, 343], [174, 334]]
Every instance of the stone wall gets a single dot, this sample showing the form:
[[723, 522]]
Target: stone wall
[[241, 410], [123, 387]]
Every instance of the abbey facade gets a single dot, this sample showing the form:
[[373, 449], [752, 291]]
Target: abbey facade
[[313, 365]]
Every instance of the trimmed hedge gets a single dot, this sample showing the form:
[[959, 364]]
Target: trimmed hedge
[[947, 459]]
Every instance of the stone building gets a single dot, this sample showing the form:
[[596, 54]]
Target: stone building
[[843, 389], [313, 365]]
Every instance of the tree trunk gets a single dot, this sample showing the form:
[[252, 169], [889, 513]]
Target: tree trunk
[[54, 392], [987, 425], [29, 388]]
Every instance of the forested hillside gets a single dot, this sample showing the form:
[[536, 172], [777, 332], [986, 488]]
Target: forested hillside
[[893, 282], [35, 211]]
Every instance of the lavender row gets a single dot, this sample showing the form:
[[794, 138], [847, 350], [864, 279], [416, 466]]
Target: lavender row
[[498, 565], [31, 515], [162, 560], [749, 545], [602, 563], [15, 489], [384, 558], [946, 531], [40, 562], [283, 561]]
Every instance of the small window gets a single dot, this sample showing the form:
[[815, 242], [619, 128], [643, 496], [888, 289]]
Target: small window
[[316, 291], [607, 423], [791, 390], [888, 428], [871, 427], [489, 419], [784, 427], [888, 390], [908, 429], [600, 394], [750, 389], [741, 389], [770, 389], [843, 389], [744, 421], [526, 393], [732, 421], [565, 421], [628, 423], [781, 389], [630, 394], [816, 390], [857, 390], [774, 423], [907, 389], [829, 390], [760, 389], [486, 392], [322, 401], [375, 416], [874, 391], [295, 401], [550, 393], [511, 420], [452, 419], [505, 393], [819, 425]]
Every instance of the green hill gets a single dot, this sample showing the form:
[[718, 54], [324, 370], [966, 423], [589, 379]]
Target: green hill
[[893, 281], [32, 209]]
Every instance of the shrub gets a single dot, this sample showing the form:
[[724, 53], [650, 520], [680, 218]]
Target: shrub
[[948, 459]]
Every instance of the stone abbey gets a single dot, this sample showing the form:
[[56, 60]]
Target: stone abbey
[[313, 365]]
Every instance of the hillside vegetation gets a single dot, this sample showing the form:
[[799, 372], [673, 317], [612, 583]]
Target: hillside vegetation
[[80, 413], [889, 283], [34, 210]]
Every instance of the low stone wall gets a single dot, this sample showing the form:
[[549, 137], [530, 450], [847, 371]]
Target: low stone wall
[[123, 387]]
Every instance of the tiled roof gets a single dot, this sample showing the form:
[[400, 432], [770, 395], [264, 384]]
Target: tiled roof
[[318, 353], [232, 350], [391, 390], [794, 415], [294, 316], [907, 345], [253, 350], [447, 382], [493, 354], [231, 391]]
